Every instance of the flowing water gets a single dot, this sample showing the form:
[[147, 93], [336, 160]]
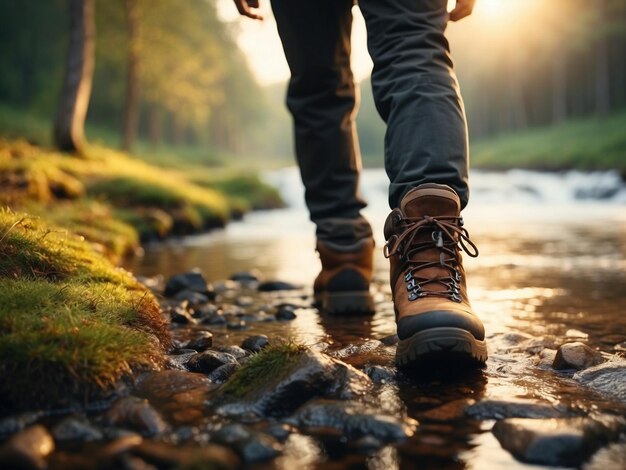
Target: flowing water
[[552, 265]]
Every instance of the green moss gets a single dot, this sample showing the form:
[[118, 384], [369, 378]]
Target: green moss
[[69, 320], [247, 190], [268, 365]]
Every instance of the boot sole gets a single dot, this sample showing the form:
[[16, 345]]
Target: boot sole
[[439, 345], [346, 303]]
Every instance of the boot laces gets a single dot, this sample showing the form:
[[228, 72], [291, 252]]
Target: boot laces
[[449, 237]]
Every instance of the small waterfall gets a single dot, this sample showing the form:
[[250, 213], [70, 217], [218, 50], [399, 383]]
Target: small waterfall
[[512, 186]]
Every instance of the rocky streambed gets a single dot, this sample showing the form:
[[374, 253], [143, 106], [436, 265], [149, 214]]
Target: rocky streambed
[[246, 386]]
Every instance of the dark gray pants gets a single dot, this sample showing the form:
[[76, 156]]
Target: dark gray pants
[[415, 91]]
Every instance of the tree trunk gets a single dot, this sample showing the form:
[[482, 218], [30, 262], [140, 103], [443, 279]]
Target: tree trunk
[[131, 105], [69, 124], [559, 87], [155, 125], [602, 81]]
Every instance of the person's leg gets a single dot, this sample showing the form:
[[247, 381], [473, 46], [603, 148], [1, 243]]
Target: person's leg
[[426, 158], [322, 98], [417, 95]]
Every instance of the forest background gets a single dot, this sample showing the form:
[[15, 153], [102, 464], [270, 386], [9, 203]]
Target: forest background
[[171, 82]]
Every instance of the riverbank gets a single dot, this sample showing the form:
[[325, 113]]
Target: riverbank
[[72, 323]]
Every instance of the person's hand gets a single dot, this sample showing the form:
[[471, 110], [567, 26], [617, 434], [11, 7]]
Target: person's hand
[[462, 9], [245, 8]]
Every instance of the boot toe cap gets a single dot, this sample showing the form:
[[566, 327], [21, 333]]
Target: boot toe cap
[[409, 325]]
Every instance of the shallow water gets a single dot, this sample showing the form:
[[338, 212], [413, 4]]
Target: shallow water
[[550, 266]]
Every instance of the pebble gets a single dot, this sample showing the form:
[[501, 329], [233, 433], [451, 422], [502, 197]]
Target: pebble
[[223, 373], [244, 276], [352, 421], [512, 408], [279, 431], [181, 316], [258, 448], [270, 286], [231, 434], [215, 319], [207, 361], [576, 356], [233, 350], [201, 342], [255, 343], [608, 378], [244, 301], [192, 298], [236, 325], [192, 281], [28, 449], [137, 414], [75, 428], [559, 442], [285, 313]]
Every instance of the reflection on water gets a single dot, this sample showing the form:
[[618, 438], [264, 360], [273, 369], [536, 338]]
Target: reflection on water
[[546, 268]]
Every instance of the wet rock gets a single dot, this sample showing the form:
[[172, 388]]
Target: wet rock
[[179, 358], [75, 428], [12, 424], [307, 374], [169, 456], [608, 379], [192, 281], [285, 313], [244, 277], [270, 286], [192, 298], [390, 340], [258, 317], [233, 350], [611, 456], [546, 357], [279, 431], [258, 448], [137, 414], [576, 356], [250, 446], [201, 342], [215, 319], [207, 361], [236, 325], [181, 316], [513, 408], [244, 301], [28, 449], [255, 343], [562, 442], [450, 411], [351, 420], [572, 333], [223, 373], [381, 374], [231, 434]]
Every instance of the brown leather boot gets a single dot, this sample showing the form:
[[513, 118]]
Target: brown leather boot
[[425, 237], [343, 285]]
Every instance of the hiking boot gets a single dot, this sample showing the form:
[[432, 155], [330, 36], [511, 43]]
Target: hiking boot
[[343, 285], [425, 237]]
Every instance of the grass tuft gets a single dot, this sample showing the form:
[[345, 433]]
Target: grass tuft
[[270, 364]]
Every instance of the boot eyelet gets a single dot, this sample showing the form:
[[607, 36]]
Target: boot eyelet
[[414, 295], [408, 277], [412, 285]]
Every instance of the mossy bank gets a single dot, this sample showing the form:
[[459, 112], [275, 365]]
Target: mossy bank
[[71, 323]]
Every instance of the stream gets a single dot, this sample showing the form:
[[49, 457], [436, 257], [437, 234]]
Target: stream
[[552, 269], [549, 284]]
